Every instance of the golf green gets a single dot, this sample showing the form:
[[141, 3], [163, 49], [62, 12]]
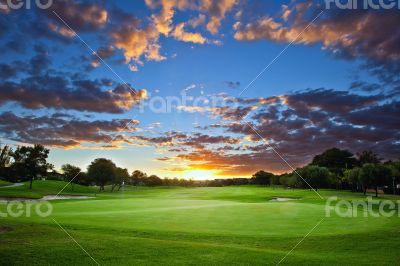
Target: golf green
[[236, 225]]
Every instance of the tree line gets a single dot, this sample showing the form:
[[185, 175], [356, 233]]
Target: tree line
[[339, 169], [334, 168]]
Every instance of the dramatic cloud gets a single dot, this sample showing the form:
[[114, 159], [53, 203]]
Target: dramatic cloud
[[63, 92], [81, 17], [215, 9], [298, 125], [63, 130], [184, 140], [369, 34], [137, 42]]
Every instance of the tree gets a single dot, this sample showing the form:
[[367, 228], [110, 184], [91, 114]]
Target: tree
[[102, 171], [153, 180], [352, 177], [315, 177], [368, 157], [5, 159], [374, 175], [121, 175], [30, 162], [137, 177], [336, 161], [71, 174], [395, 172], [262, 178]]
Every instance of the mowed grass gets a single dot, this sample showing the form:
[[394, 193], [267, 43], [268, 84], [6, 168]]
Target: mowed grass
[[236, 225], [4, 183]]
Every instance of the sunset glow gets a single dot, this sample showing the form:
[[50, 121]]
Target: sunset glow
[[199, 174]]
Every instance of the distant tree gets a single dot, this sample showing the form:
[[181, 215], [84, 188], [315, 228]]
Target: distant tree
[[137, 177], [395, 173], [121, 176], [153, 180], [352, 177], [374, 175], [5, 160], [336, 161], [71, 174], [30, 162], [314, 176], [368, 157], [262, 178], [102, 171]]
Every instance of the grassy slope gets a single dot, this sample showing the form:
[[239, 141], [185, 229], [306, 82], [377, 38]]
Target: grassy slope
[[43, 188], [4, 183], [177, 226]]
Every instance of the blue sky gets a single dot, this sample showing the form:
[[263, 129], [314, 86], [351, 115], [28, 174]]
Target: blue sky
[[327, 72]]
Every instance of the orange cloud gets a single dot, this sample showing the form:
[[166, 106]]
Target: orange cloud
[[136, 43], [179, 33]]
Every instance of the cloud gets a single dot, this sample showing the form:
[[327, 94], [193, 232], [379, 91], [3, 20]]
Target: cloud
[[197, 21], [63, 130], [65, 91], [81, 17], [369, 34], [163, 20], [216, 11], [180, 34], [232, 84], [183, 141], [103, 53], [137, 43], [298, 125]]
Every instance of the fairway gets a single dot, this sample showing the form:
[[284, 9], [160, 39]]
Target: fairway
[[236, 225]]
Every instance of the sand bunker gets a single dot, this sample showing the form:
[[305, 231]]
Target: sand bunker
[[48, 197], [284, 199], [61, 197]]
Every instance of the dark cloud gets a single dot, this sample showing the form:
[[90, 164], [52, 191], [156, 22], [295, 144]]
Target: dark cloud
[[329, 100], [184, 141], [232, 84], [81, 17], [42, 87], [372, 35], [63, 130], [7, 71], [57, 92], [300, 125]]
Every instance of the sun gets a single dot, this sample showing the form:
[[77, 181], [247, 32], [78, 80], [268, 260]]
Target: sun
[[199, 174]]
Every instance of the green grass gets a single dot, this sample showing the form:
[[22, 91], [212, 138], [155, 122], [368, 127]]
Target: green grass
[[4, 183], [235, 225], [43, 188]]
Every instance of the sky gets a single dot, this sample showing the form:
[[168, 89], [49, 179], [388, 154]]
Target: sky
[[199, 88]]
